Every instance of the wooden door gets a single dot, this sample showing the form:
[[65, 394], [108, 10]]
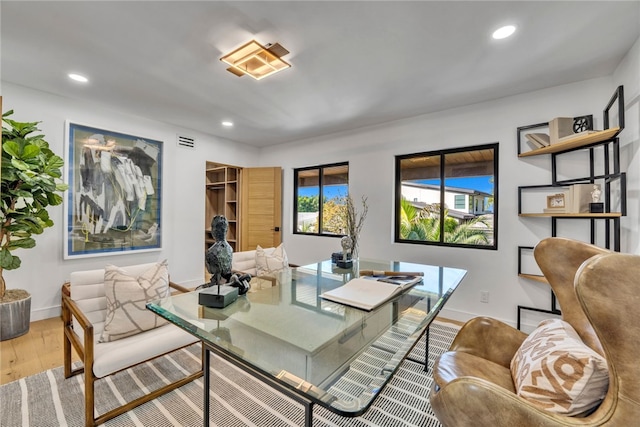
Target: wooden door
[[261, 208]]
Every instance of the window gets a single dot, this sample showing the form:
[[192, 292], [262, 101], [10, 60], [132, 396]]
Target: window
[[448, 197], [326, 183]]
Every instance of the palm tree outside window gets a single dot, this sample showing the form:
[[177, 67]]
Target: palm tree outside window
[[448, 197]]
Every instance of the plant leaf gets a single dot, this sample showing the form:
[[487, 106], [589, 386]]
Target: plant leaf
[[25, 243], [30, 151], [8, 261], [12, 148]]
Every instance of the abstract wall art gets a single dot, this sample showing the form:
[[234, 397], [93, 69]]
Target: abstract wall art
[[114, 203]]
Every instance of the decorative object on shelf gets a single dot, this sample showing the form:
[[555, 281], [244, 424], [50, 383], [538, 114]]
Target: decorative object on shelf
[[115, 193], [560, 127], [596, 206], [354, 221], [23, 211], [556, 201], [538, 140], [582, 123]]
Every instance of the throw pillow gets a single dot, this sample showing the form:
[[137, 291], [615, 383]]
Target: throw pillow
[[127, 297], [269, 265], [554, 370]]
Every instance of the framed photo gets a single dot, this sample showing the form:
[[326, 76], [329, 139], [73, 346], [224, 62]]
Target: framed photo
[[114, 201], [556, 201]]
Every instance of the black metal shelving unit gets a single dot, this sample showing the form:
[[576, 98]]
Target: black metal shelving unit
[[611, 173]]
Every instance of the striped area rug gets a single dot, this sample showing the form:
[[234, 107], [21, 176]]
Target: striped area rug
[[237, 399]]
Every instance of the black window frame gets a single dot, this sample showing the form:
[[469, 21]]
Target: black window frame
[[320, 169], [442, 153]]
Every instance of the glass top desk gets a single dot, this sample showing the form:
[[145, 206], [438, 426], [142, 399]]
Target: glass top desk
[[316, 351]]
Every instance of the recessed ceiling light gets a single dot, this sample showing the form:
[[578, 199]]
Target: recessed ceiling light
[[78, 78], [227, 124], [504, 32]]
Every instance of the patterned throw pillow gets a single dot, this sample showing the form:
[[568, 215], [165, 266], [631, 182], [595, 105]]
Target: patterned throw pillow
[[127, 297], [269, 265], [554, 370]]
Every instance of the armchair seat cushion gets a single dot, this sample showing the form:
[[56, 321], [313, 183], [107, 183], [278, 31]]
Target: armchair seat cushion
[[110, 357], [456, 364]]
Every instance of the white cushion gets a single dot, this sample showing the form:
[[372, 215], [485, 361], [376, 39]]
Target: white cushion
[[127, 297], [245, 261], [87, 290], [110, 357], [270, 264], [554, 370]]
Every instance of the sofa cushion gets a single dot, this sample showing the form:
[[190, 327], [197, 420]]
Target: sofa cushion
[[127, 296], [270, 264], [554, 370]]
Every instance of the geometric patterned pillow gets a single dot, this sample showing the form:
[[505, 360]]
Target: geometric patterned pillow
[[554, 370], [127, 297], [268, 265]]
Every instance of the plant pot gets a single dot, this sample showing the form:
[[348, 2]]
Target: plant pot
[[15, 316]]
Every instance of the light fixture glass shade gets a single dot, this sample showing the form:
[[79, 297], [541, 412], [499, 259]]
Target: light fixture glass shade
[[254, 60]]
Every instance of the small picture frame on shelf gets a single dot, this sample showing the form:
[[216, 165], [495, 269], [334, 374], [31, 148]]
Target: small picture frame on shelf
[[556, 201]]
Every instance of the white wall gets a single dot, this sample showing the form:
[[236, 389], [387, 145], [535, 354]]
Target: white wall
[[43, 269], [628, 74], [371, 152]]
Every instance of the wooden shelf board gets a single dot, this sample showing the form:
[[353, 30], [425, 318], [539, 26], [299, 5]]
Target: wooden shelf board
[[574, 215], [535, 277], [578, 141]]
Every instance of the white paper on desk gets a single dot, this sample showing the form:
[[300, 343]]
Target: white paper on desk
[[368, 292]]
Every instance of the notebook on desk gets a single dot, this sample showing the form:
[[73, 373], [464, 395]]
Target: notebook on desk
[[369, 292]]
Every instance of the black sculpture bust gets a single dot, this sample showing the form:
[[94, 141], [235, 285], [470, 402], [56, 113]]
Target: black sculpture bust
[[219, 256]]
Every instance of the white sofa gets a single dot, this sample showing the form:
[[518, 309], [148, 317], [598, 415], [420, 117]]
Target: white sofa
[[84, 309]]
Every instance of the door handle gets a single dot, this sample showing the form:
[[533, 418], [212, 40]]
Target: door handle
[[275, 229]]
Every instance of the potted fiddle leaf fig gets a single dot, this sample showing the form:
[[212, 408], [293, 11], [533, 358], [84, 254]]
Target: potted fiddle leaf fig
[[30, 183]]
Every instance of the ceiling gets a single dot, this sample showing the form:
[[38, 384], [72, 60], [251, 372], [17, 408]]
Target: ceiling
[[354, 63]]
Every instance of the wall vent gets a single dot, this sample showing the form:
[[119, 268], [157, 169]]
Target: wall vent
[[186, 141]]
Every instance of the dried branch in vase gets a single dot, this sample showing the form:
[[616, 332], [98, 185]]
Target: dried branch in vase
[[355, 220]]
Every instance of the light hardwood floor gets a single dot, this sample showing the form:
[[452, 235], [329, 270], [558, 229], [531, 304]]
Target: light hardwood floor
[[36, 351], [41, 349]]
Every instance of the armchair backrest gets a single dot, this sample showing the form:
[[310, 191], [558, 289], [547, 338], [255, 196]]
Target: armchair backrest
[[608, 288], [559, 259], [87, 290]]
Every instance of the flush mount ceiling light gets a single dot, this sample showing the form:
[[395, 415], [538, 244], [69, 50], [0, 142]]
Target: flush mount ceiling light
[[504, 32], [256, 60]]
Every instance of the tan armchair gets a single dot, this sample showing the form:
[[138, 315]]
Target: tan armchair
[[472, 381]]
